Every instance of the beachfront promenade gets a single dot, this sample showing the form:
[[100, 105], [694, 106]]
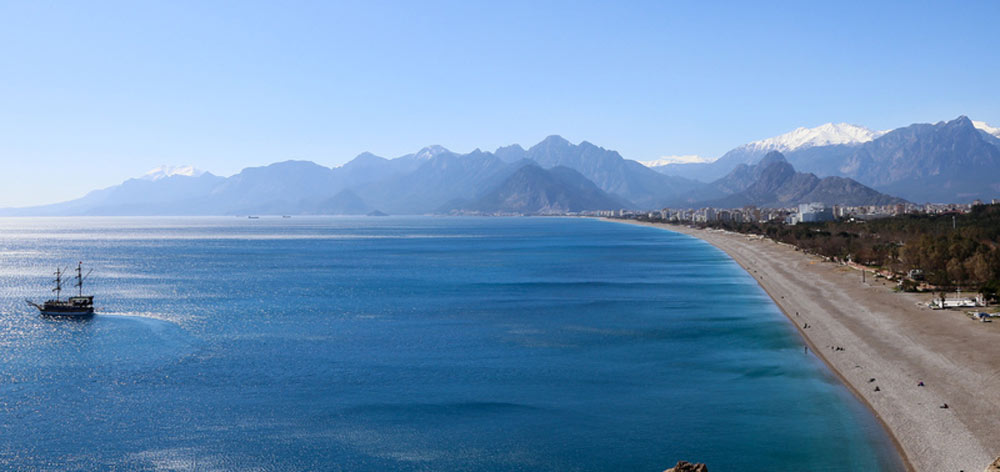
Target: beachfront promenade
[[884, 344]]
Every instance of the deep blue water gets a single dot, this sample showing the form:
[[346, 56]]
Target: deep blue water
[[407, 344]]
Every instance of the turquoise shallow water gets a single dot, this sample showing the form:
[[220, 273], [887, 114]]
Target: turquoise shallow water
[[408, 344]]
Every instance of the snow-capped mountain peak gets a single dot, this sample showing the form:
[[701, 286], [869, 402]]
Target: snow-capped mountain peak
[[981, 125], [823, 135], [431, 151], [686, 159], [165, 171]]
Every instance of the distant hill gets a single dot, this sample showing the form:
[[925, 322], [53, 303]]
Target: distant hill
[[431, 180], [773, 182], [533, 190], [289, 187], [990, 138], [953, 161], [612, 173], [830, 135], [438, 179], [367, 168], [171, 195], [941, 162], [345, 202]]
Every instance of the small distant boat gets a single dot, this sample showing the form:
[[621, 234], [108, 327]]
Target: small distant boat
[[286, 216], [79, 306], [254, 217]]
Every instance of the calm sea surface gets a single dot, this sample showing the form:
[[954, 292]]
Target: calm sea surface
[[407, 344]]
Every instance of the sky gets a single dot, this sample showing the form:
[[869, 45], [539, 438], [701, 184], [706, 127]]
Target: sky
[[94, 93]]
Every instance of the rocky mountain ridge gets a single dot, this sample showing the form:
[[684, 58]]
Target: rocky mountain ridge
[[773, 182], [431, 180], [948, 161]]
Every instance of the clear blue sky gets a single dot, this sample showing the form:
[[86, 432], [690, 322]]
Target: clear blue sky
[[92, 93]]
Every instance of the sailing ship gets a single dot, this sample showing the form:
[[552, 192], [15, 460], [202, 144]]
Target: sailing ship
[[79, 306]]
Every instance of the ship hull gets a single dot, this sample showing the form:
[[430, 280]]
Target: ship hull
[[74, 307], [67, 313]]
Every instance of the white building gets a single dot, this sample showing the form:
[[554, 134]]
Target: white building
[[809, 212]]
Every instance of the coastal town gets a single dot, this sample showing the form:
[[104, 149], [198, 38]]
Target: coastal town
[[904, 244], [803, 213]]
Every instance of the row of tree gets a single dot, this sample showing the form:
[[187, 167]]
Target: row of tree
[[949, 250]]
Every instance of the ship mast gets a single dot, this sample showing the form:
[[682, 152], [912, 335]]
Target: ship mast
[[79, 277], [58, 288]]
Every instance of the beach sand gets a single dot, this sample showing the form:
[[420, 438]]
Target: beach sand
[[889, 337]]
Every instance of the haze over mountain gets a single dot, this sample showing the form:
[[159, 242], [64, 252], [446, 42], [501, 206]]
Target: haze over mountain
[[611, 172], [427, 181], [940, 162], [945, 162], [773, 182], [173, 195], [954, 161], [830, 134], [441, 177], [533, 190]]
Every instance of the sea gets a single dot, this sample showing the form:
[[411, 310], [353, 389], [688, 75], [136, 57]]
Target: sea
[[407, 344]]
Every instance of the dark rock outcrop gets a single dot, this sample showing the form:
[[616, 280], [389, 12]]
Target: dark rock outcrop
[[685, 466]]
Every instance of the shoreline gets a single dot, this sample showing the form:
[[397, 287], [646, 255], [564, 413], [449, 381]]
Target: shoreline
[[886, 336]]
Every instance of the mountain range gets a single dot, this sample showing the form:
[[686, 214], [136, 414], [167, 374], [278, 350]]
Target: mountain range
[[553, 175], [949, 161], [945, 161], [774, 183], [953, 161], [831, 134], [534, 190]]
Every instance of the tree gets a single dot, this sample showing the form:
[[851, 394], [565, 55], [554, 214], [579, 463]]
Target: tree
[[956, 271], [978, 268]]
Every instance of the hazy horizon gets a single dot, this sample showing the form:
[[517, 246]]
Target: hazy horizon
[[96, 94]]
